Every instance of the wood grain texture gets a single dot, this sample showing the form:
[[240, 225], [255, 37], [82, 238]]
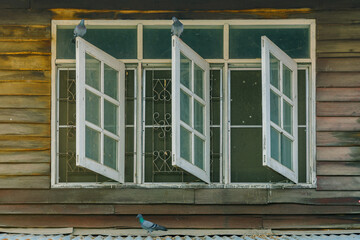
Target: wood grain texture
[[337, 139], [25, 17], [338, 183], [24, 182], [24, 32], [22, 102], [338, 124], [338, 109], [25, 169], [338, 46], [338, 79], [25, 75], [24, 143], [25, 88], [338, 168], [337, 64], [25, 156], [338, 94], [9, 115], [22, 129], [338, 153], [25, 47], [230, 196], [24, 62], [338, 31]]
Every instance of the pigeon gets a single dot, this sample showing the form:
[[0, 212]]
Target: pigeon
[[149, 226], [79, 30], [177, 27]]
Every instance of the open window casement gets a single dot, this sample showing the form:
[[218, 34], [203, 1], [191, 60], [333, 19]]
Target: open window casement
[[190, 111], [100, 111], [279, 91]]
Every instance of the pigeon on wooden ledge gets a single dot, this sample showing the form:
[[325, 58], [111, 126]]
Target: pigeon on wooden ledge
[[149, 226], [79, 30], [177, 27]]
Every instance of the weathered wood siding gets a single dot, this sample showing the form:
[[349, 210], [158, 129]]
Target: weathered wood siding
[[26, 199]]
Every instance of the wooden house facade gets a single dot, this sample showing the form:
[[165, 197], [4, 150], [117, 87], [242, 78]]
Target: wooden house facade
[[31, 194]]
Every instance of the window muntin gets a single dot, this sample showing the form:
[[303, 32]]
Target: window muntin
[[279, 81], [221, 60]]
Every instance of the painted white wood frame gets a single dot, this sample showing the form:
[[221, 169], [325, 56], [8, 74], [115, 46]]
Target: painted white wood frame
[[270, 49], [180, 48], [84, 48]]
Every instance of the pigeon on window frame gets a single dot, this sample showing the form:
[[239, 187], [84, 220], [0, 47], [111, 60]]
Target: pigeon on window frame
[[149, 226], [177, 27], [79, 30]]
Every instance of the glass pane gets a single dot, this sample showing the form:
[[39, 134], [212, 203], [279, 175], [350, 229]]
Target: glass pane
[[246, 97], [67, 101], [207, 41], [286, 152], [246, 43], [186, 143], [199, 149], [92, 144], [92, 71], [215, 97], [92, 109], [287, 82], [275, 144], [275, 108], [157, 43], [302, 97], [288, 119], [185, 108], [119, 43], [111, 82], [110, 117], [274, 71], [198, 116], [110, 152], [185, 71], [198, 81]]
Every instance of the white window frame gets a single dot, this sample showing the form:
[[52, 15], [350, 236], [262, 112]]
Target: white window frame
[[267, 48], [82, 48], [179, 47], [226, 64]]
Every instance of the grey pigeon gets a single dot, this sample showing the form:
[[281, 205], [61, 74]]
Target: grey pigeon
[[79, 30], [149, 226], [177, 27]]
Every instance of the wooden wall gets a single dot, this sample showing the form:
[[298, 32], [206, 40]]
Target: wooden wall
[[26, 199]]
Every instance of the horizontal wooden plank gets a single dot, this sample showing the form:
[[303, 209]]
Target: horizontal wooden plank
[[338, 124], [24, 32], [23, 143], [24, 115], [338, 183], [338, 153], [24, 62], [25, 88], [338, 54], [24, 182], [25, 47], [16, 102], [338, 109], [337, 139], [24, 169], [25, 75], [337, 64], [14, 4], [348, 16], [25, 156], [314, 197], [337, 31], [130, 221], [25, 17], [338, 168], [338, 79], [24, 129], [230, 196], [338, 94], [338, 46], [302, 222]]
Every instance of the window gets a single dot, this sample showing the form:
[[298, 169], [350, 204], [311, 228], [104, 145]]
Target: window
[[230, 103]]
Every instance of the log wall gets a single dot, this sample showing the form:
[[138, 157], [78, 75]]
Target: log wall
[[26, 199]]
